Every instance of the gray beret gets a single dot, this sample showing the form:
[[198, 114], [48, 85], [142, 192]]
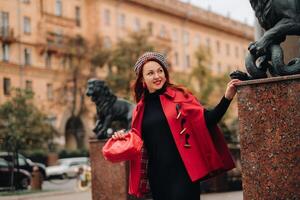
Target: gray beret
[[160, 58]]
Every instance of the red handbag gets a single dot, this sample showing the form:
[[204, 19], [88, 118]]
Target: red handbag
[[124, 149]]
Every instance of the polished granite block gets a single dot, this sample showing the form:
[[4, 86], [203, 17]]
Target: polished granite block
[[269, 127], [109, 181]]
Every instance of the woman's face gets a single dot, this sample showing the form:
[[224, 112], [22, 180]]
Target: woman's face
[[153, 76]]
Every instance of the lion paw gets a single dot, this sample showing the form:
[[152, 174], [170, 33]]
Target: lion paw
[[239, 75], [257, 48], [101, 136]]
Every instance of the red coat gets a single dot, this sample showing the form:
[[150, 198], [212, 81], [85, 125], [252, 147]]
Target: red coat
[[208, 153]]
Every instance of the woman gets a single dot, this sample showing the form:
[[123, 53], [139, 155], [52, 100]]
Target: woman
[[182, 144]]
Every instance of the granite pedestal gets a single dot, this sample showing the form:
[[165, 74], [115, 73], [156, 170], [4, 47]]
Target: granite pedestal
[[269, 126], [109, 181]]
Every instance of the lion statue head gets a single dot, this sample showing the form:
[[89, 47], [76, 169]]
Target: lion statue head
[[99, 91]]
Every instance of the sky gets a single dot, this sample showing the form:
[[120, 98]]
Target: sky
[[237, 9]]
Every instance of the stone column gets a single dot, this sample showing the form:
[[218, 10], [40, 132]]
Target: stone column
[[109, 181], [269, 125]]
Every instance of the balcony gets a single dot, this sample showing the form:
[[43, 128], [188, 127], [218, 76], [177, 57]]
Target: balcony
[[7, 34], [59, 45], [163, 43], [54, 44], [59, 20]]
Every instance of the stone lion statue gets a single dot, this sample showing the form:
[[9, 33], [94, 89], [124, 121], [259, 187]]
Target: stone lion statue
[[109, 107], [278, 18]]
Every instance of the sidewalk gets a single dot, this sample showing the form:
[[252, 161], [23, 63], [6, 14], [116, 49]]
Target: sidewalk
[[37, 195], [64, 195], [223, 196]]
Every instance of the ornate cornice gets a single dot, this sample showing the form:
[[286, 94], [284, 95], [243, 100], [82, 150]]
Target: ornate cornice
[[190, 13]]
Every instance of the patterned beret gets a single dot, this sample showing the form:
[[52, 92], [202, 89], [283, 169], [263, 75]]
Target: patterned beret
[[160, 58]]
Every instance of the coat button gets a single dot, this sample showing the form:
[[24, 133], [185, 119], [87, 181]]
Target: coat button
[[187, 145], [182, 126], [178, 106], [182, 131], [179, 114]]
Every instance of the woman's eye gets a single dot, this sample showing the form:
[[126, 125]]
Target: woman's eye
[[150, 73]]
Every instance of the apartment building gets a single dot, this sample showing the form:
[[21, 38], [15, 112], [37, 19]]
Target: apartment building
[[33, 33]]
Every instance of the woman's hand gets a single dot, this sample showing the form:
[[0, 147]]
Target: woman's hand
[[118, 135], [231, 89]]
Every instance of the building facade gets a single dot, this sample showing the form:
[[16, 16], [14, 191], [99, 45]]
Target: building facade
[[33, 31]]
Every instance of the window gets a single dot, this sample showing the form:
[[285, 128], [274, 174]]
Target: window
[[49, 91], [69, 62], [121, 20], [186, 38], [6, 86], [164, 51], [175, 35], [26, 25], [77, 16], [65, 93], [176, 58], [28, 85], [162, 32], [4, 23], [227, 49], [58, 36], [187, 61], [58, 8], [27, 56], [107, 42], [219, 67], [197, 40], [48, 57], [150, 28], [3, 163], [229, 68], [218, 46], [63, 62], [106, 17], [22, 161], [208, 42], [244, 52], [136, 24], [5, 52], [236, 51]]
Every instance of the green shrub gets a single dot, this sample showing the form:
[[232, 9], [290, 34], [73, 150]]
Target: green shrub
[[73, 153], [38, 155]]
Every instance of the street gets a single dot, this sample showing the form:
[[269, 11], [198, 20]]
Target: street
[[60, 185]]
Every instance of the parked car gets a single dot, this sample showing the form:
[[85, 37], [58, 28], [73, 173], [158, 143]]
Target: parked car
[[24, 163], [21, 177], [66, 167]]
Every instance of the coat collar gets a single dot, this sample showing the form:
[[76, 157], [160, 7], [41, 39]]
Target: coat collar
[[169, 92]]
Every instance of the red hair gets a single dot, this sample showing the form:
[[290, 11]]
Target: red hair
[[139, 90]]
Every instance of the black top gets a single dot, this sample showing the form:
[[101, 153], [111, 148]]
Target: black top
[[166, 172], [212, 117]]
